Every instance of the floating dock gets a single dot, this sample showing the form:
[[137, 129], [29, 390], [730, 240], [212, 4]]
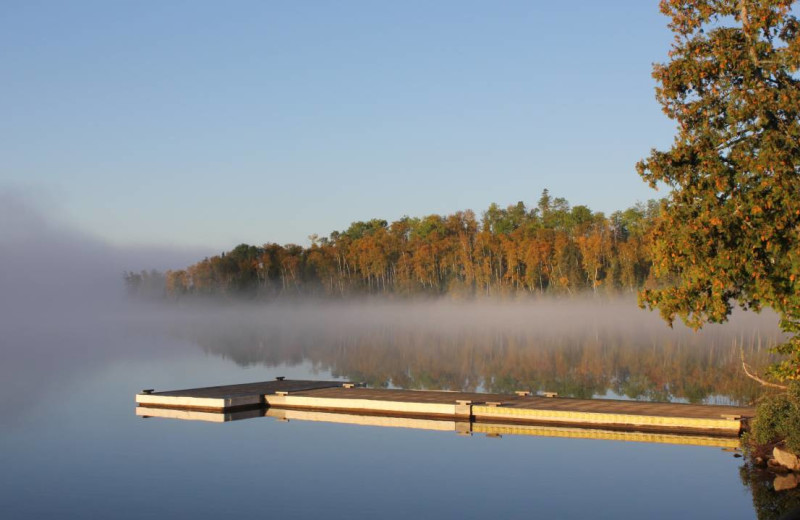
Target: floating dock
[[495, 413]]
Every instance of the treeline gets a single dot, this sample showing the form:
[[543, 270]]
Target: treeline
[[552, 248]]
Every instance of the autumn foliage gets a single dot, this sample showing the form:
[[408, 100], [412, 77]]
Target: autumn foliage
[[730, 226], [553, 248]]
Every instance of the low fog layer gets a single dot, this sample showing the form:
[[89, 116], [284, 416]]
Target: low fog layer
[[579, 347], [43, 261], [548, 316]]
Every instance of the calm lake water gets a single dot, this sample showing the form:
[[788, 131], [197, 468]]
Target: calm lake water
[[71, 445]]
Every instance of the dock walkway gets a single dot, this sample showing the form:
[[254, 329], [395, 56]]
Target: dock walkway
[[520, 409]]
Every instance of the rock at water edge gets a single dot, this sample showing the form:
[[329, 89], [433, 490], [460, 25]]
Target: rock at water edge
[[786, 459]]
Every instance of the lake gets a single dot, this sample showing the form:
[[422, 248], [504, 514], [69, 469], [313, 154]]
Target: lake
[[72, 446]]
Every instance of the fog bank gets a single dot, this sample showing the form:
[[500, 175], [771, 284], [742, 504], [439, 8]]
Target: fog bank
[[47, 266]]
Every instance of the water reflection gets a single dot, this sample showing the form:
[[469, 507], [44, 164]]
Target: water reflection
[[197, 415], [69, 385], [775, 496], [576, 350], [443, 425]]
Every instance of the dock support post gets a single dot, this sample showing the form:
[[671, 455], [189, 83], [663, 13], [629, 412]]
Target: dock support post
[[463, 408]]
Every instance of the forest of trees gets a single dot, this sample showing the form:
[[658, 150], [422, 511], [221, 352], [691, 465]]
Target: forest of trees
[[552, 248]]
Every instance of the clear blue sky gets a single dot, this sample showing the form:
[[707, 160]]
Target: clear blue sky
[[214, 123]]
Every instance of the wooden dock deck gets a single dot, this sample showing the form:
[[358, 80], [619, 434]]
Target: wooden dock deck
[[226, 397], [497, 409]]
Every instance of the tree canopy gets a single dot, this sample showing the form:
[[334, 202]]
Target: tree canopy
[[729, 231], [554, 248]]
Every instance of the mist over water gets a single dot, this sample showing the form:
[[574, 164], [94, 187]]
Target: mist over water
[[51, 272], [579, 347]]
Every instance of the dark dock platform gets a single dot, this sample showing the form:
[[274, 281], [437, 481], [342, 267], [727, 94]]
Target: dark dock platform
[[227, 397], [521, 408]]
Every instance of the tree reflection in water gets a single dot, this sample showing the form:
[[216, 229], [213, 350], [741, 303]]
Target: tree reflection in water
[[769, 503], [578, 349]]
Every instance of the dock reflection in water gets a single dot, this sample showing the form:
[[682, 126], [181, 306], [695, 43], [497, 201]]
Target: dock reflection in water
[[459, 427]]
